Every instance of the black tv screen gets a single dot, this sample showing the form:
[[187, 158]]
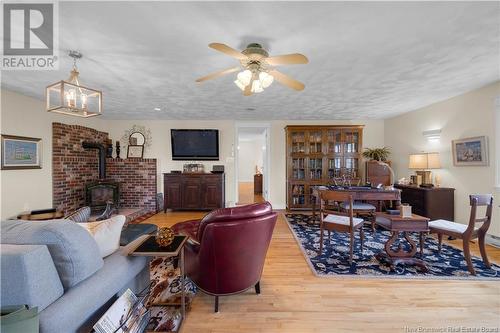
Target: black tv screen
[[195, 144]]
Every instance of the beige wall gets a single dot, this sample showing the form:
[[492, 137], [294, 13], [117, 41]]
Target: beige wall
[[160, 149], [467, 115], [25, 116], [32, 189]]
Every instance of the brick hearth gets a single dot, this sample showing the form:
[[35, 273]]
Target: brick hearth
[[74, 166]]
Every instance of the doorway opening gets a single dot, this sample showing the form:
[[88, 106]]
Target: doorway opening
[[252, 156]]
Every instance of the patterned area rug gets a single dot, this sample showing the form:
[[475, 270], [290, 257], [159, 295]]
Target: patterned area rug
[[166, 290], [334, 261], [142, 218]]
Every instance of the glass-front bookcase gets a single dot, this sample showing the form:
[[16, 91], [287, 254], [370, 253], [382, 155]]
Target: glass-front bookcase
[[320, 155]]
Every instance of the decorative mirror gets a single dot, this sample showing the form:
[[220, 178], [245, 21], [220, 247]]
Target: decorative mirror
[[139, 139], [136, 139]]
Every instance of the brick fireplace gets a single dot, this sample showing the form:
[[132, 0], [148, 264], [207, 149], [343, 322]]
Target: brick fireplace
[[76, 169]]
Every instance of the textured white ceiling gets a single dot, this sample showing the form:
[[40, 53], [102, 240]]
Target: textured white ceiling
[[367, 59]]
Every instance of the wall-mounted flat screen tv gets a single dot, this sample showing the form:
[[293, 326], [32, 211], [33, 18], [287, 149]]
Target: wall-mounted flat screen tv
[[195, 144]]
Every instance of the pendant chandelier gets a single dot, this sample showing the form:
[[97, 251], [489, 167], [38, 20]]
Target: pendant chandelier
[[69, 97]]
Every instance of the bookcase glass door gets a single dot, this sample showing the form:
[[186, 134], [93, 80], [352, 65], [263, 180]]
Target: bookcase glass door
[[334, 138], [298, 143], [298, 195], [351, 141], [334, 168], [315, 142], [351, 167], [315, 168], [298, 168]]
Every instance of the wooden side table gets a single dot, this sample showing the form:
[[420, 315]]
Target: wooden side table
[[146, 246], [396, 225]]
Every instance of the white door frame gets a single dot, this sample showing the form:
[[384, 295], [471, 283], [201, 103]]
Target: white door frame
[[266, 191]]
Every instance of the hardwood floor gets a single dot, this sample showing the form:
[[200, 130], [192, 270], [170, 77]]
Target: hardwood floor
[[246, 195], [293, 300]]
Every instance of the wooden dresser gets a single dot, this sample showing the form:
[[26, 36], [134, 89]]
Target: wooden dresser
[[193, 191], [434, 203]]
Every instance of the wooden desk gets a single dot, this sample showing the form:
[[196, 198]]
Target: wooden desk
[[397, 224], [361, 194]]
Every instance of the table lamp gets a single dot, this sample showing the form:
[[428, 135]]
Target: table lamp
[[422, 162]]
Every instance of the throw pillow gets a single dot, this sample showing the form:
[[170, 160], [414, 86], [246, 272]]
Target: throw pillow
[[80, 215], [106, 233]]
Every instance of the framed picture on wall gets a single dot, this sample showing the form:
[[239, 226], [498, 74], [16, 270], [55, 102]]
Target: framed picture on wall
[[19, 152], [470, 151], [135, 151]]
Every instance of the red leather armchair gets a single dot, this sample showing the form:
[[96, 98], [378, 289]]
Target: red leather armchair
[[227, 248]]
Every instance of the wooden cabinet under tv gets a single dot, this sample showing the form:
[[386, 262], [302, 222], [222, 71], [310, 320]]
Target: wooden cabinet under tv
[[319, 155], [193, 191]]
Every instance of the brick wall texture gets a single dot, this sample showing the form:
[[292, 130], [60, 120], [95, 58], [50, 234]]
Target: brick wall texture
[[73, 167]]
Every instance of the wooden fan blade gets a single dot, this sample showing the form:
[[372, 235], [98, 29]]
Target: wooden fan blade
[[248, 89], [228, 50], [287, 59], [219, 73], [286, 80]]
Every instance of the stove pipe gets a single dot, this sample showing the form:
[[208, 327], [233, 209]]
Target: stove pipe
[[102, 156]]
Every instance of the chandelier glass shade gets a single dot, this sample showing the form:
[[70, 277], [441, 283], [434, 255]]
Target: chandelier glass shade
[[70, 97], [262, 81]]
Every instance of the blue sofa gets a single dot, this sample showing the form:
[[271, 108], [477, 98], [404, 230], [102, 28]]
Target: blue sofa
[[56, 266]]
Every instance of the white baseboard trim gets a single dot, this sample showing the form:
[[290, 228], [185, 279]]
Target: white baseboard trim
[[493, 240]]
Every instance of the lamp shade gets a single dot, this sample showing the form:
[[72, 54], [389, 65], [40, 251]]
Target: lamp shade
[[433, 161], [418, 161], [424, 161]]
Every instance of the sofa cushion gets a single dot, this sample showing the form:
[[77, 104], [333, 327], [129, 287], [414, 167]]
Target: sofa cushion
[[106, 233], [28, 276], [73, 250]]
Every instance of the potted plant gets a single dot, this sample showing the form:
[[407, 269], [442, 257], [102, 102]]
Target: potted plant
[[377, 154]]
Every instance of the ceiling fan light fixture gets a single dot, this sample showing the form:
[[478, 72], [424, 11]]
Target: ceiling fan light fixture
[[257, 87], [239, 84], [245, 77], [265, 79]]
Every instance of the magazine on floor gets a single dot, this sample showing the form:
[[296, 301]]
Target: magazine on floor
[[126, 315]]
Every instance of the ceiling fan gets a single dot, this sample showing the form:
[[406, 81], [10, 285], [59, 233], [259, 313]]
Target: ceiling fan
[[258, 68]]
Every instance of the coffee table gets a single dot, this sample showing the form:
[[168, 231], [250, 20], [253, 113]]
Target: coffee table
[[397, 225], [146, 246]]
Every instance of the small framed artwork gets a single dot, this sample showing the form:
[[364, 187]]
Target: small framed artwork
[[19, 152], [470, 151], [135, 151]]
